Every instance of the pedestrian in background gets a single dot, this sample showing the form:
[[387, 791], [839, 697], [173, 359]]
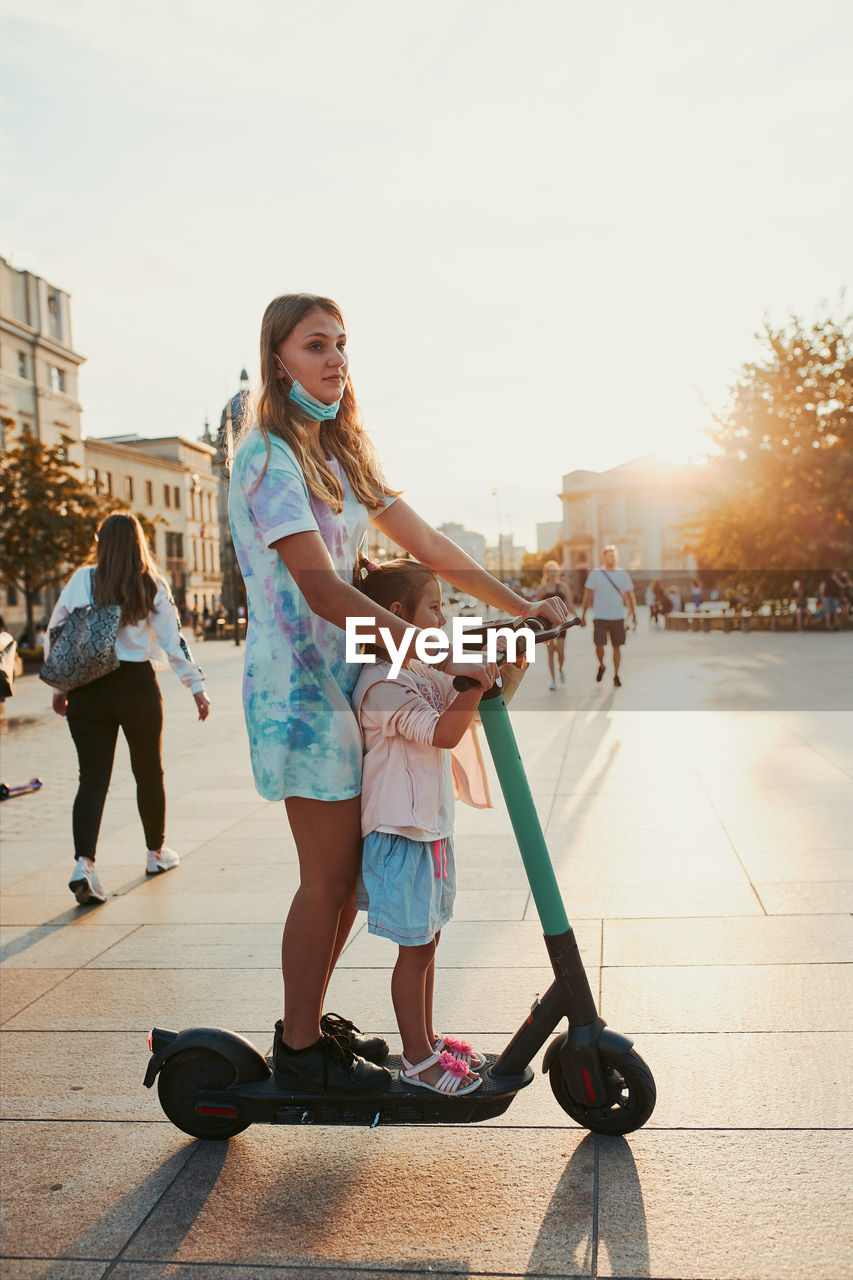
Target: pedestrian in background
[[801, 604], [609, 591], [549, 586], [126, 574], [830, 597]]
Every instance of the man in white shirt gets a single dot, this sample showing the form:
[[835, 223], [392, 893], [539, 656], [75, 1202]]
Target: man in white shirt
[[609, 589]]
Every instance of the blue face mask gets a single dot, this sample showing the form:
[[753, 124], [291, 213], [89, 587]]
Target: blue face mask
[[310, 405]]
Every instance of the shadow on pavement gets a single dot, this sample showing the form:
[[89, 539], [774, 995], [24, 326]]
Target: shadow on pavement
[[563, 1231]]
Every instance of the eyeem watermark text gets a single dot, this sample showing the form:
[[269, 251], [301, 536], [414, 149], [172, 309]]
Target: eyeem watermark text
[[432, 645]]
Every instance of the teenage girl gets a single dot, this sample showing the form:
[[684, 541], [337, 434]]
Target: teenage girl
[[305, 483], [549, 587], [129, 698], [408, 878]]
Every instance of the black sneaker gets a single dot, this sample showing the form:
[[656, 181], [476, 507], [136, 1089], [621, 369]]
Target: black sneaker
[[325, 1067], [599, 673], [373, 1048]]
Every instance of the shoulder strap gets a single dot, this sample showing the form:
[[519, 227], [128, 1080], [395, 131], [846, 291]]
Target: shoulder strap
[[613, 584]]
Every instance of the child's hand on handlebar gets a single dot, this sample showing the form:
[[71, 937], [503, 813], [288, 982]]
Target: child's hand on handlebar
[[485, 673]]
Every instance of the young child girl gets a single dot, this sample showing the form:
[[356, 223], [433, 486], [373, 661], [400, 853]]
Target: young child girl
[[408, 878]]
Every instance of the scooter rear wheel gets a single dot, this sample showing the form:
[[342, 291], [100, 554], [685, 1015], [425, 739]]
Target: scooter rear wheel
[[182, 1078], [631, 1094]]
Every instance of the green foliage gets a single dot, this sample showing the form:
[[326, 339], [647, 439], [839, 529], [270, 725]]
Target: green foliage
[[48, 517], [779, 502]]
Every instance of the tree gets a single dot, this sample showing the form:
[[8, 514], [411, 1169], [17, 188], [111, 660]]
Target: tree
[[48, 518], [779, 501]]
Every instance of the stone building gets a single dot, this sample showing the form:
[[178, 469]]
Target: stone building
[[639, 507], [171, 481], [38, 364]]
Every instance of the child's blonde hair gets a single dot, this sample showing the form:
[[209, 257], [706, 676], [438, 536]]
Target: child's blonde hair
[[342, 437]]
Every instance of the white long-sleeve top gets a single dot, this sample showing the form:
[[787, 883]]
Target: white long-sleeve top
[[139, 641]]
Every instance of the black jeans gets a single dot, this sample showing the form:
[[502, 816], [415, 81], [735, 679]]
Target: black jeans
[[130, 699]]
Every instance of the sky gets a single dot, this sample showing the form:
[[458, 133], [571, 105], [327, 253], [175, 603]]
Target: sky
[[554, 229]]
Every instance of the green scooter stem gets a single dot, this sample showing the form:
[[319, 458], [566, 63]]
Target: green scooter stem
[[523, 816]]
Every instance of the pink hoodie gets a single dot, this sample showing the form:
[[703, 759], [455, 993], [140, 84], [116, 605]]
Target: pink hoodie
[[407, 783]]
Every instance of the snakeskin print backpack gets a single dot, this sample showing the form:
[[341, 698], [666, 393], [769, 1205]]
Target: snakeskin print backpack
[[83, 648]]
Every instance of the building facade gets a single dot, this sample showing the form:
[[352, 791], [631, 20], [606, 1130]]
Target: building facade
[[38, 364], [171, 481], [639, 507]]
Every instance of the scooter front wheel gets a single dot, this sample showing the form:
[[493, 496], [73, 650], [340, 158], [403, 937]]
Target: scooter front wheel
[[631, 1094], [182, 1078]]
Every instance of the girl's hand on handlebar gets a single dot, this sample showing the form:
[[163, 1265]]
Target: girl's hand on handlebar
[[485, 675], [203, 703]]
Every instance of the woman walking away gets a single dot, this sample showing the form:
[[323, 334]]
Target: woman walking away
[[305, 483], [124, 574], [408, 883]]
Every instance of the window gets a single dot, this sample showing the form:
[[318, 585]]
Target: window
[[57, 378], [149, 493], [192, 505], [11, 596], [54, 316], [94, 479], [177, 498], [167, 495], [195, 554], [108, 481], [128, 488], [174, 546], [203, 556], [22, 364]]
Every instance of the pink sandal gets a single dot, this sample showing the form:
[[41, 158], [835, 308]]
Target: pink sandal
[[450, 1083], [462, 1050]]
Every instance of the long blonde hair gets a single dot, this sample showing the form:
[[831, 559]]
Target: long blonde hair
[[342, 437], [126, 571]]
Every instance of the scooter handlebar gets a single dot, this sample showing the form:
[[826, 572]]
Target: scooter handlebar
[[539, 626]]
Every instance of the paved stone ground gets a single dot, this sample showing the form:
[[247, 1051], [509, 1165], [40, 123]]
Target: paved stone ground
[[701, 823]]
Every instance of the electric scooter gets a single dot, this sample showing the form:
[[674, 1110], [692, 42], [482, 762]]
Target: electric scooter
[[214, 1083]]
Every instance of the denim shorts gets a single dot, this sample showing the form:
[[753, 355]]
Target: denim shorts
[[406, 887]]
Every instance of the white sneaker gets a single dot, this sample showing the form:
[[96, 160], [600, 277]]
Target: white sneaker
[[553, 686], [562, 677], [85, 883], [161, 860]]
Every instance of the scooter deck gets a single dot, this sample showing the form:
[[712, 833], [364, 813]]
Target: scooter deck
[[265, 1102]]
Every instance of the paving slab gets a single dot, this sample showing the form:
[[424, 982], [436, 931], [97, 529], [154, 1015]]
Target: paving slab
[[824, 897], [808, 865], [586, 900], [195, 946], [50, 947], [20, 988], [457, 1201], [469, 1000], [54, 1269], [772, 997], [147, 904], [81, 1191], [685, 1205], [149, 1270], [749, 940], [485, 944]]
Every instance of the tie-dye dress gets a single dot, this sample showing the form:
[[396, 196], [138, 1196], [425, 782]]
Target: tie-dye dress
[[304, 739]]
